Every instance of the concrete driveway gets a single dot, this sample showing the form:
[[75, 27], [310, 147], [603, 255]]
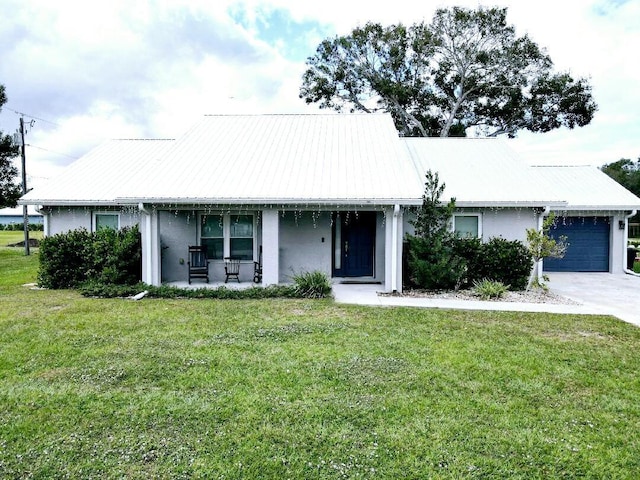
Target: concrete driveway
[[609, 294]]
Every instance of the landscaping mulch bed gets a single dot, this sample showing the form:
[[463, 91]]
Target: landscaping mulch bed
[[525, 296]]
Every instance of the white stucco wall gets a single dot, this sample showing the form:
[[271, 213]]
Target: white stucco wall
[[508, 223], [305, 243], [178, 230], [618, 246], [63, 219]]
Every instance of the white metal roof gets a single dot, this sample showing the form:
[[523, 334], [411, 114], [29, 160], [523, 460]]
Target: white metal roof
[[333, 158], [354, 159], [481, 171], [102, 175], [588, 188]]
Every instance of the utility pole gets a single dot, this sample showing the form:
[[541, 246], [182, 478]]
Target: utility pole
[[25, 212]]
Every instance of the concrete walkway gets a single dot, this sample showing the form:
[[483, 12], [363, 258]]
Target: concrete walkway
[[596, 293]]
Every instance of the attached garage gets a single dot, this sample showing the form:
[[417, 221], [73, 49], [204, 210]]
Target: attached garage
[[589, 244]]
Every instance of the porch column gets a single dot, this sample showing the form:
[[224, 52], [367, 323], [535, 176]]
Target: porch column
[[394, 232], [270, 247], [150, 236]]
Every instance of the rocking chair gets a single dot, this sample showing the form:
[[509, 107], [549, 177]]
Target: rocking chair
[[257, 267], [232, 268], [198, 263]]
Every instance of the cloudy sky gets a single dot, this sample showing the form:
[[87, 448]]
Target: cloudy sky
[[82, 72]]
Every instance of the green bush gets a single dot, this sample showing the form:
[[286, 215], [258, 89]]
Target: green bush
[[433, 263], [489, 289], [95, 288], [457, 262], [65, 259], [107, 257], [313, 284], [33, 227], [471, 250], [506, 261], [431, 260]]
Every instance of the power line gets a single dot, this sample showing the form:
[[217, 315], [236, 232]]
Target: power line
[[22, 114], [51, 151]]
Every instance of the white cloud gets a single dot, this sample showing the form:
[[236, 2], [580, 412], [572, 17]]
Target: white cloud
[[152, 68]]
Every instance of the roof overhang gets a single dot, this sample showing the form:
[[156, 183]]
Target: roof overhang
[[597, 208], [297, 202], [74, 203]]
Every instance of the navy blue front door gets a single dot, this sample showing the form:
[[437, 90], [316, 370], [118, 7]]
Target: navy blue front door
[[354, 244], [588, 250]]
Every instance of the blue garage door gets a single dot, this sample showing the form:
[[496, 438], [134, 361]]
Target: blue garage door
[[588, 239]]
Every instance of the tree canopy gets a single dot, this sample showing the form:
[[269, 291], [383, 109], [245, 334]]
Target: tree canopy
[[466, 69], [626, 172], [10, 192]]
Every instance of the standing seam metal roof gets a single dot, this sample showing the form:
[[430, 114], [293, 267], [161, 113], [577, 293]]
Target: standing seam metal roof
[[285, 158], [332, 159]]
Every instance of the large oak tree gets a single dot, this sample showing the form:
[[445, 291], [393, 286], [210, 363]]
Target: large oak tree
[[10, 192], [466, 69]]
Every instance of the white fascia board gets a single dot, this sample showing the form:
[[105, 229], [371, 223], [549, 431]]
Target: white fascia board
[[271, 201], [596, 208], [75, 203], [528, 204]]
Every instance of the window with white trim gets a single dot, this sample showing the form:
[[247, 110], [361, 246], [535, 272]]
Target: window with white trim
[[106, 220], [228, 235], [212, 236], [241, 237], [467, 225]]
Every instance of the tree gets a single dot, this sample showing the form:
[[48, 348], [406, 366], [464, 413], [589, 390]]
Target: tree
[[10, 192], [627, 173], [467, 69], [432, 260], [542, 245]]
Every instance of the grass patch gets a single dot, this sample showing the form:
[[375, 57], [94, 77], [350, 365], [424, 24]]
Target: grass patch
[[277, 389], [8, 237]]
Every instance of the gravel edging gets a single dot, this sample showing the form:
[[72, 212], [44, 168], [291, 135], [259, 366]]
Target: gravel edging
[[534, 296]]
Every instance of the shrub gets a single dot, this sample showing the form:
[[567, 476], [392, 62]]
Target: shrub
[[431, 259], [117, 256], [33, 227], [313, 284], [107, 257], [95, 288], [64, 259], [489, 289], [463, 262], [506, 261], [433, 263], [470, 249]]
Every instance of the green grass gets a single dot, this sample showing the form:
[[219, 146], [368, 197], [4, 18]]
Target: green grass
[[9, 237], [307, 389]]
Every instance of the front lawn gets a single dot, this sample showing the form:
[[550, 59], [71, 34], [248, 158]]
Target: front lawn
[[9, 237], [307, 389]]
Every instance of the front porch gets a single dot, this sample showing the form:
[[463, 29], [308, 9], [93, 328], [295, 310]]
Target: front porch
[[345, 244]]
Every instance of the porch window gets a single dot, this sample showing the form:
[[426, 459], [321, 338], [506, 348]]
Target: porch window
[[106, 220], [212, 236], [228, 235], [467, 226], [241, 237]]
